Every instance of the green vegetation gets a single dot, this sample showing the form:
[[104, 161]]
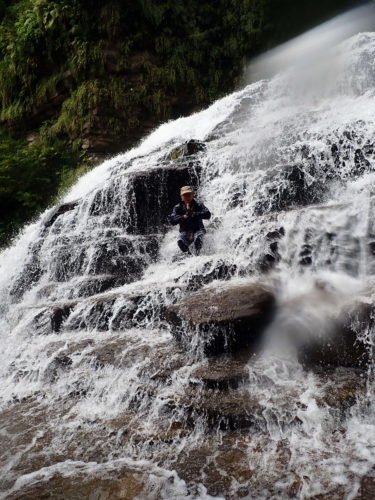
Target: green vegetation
[[30, 175], [101, 74], [153, 52]]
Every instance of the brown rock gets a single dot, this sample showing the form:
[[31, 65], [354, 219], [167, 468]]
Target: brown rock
[[221, 373], [228, 317], [130, 485], [341, 387], [234, 409], [367, 488]]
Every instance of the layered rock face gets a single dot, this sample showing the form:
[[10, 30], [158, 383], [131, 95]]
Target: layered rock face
[[132, 224]]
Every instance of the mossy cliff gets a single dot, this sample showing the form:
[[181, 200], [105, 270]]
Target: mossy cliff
[[80, 79], [106, 72]]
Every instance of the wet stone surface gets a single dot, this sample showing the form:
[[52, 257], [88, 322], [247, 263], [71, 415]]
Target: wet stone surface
[[58, 211], [346, 344], [217, 396], [224, 318], [150, 195], [221, 373]]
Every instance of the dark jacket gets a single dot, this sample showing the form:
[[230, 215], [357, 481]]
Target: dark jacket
[[193, 223]]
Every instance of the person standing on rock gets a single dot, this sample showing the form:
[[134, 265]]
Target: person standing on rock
[[189, 214]]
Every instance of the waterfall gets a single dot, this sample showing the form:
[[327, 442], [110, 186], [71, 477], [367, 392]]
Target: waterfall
[[96, 395]]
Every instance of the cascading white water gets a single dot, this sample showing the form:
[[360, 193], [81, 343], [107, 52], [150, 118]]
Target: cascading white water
[[107, 395]]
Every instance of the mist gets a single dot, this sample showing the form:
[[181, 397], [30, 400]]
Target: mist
[[310, 48]]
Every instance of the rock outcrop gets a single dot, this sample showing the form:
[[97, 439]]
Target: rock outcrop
[[122, 252], [151, 193], [57, 211], [226, 317]]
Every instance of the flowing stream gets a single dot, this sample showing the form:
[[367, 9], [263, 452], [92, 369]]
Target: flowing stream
[[99, 401]]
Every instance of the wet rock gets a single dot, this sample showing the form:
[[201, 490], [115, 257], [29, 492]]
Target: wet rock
[[67, 261], [229, 410], [361, 162], [41, 321], [151, 195], [346, 343], [226, 318], [367, 487], [97, 316], [68, 349], [119, 257], [137, 312], [51, 319], [59, 315], [341, 387], [189, 148], [59, 210], [275, 234], [306, 255], [94, 285], [165, 364], [150, 309], [101, 313], [221, 271], [290, 186], [30, 274], [226, 469], [125, 484], [270, 258], [59, 364], [371, 247], [123, 256], [107, 262], [107, 354], [220, 373], [270, 255], [124, 316], [154, 193]]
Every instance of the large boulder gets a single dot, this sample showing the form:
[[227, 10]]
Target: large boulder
[[224, 317]]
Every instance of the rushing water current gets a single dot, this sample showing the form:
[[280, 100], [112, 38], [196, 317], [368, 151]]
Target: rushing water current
[[97, 399]]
